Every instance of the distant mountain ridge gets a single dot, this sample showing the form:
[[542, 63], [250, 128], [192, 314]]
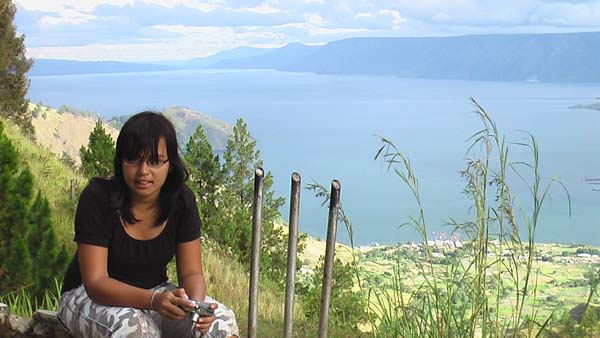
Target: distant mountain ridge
[[563, 57], [43, 67], [277, 58], [518, 57]]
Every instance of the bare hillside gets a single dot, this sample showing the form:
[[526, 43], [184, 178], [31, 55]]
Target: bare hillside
[[64, 133]]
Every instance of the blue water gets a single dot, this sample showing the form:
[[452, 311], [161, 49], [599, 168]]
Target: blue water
[[323, 127]]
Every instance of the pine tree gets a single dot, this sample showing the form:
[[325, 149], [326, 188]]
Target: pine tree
[[97, 158], [13, 67], [205, 178], [235, 207], [15, 194], [29, 252], [48, 258]]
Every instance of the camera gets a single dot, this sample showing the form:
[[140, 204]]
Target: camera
[[200, 309]]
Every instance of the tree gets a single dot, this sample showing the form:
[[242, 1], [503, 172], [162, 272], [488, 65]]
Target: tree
[[13, 67], [234, 210], [97, 158], [205, 178], [29, 252], [49, 259], [347, 308]]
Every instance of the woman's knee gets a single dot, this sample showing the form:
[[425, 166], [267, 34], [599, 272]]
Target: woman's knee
[[84, 318], [135, 323]]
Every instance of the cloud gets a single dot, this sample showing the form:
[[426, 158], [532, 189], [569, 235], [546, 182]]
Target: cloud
[[124, 26]]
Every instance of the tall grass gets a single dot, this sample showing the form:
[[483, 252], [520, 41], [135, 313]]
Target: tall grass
[[22, 303], [463, 298], [228, 283]]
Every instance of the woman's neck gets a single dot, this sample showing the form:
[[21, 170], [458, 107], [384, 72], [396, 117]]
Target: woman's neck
[[145, 209]]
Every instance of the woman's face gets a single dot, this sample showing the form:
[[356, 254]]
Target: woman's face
[[145, 178]]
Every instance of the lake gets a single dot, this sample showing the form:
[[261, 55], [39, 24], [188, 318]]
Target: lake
[[324, 127]]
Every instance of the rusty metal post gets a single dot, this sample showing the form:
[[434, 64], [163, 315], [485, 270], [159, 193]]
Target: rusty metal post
[[255, 259], [291, 258], [71, 189], [334, 202]]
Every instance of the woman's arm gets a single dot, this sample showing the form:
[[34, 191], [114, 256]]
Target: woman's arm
[[108, 291], [189, 269]]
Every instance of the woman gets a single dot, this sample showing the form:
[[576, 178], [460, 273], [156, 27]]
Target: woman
[[127, 228]]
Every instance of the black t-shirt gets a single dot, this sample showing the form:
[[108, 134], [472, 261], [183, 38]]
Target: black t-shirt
[[141, 263]]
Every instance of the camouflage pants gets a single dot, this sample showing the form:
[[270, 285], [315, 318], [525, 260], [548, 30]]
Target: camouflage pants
[[84, 318]]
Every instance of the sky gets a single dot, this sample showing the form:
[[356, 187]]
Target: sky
[[154, 30]]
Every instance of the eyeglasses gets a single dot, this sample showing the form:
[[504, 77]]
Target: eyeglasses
[[135, 162]]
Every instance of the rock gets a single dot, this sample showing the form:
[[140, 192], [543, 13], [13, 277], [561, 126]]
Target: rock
[[18, 324], [43, 324], [577, 311], [3, 313]]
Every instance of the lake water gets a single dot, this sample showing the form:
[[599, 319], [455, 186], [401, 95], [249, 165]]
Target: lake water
[[323, 127]]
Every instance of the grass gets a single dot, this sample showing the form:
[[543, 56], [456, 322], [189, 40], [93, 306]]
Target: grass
[[19, 301], [490, 290], [468, 296]]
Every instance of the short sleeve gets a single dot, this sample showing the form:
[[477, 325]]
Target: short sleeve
[[188, 228], [92, 224]]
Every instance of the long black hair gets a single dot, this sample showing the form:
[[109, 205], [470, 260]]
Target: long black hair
[[139, 139]]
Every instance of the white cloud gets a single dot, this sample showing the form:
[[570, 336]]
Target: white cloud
[[199, 5], [63, 6], [440, 17], [568, 14], [198, 42], [397, 18], [314, 19], [193, 42], [263, 9], [158, 29]]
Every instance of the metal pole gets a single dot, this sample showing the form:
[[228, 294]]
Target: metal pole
[[254, 263], [334, 202], [291, 258]]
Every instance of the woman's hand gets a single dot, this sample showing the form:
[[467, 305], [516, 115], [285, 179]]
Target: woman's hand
[[204, 323], [169, 304]]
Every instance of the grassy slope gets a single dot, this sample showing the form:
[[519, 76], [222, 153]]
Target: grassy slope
[[65, 132]]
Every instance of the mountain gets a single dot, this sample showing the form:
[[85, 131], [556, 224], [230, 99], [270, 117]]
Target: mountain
[[226, 55], [43, 67], [516, 57], [568, 57], [186, 121], [274, 59]]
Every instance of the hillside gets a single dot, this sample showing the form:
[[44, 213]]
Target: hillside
[[64, 133], [186, 121]]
